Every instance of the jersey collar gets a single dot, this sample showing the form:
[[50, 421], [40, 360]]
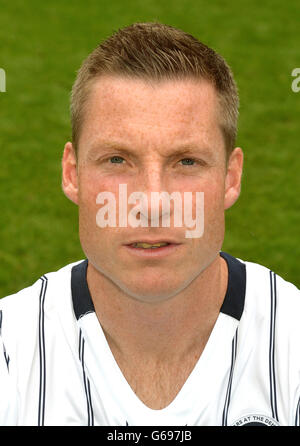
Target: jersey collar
[[234, 301], [233, 304]]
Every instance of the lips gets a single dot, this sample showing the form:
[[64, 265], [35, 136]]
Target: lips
[[152, 249], [146, 245], [151, 244]]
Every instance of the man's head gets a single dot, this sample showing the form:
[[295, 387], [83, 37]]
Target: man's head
[[154, 129], [156, 52]]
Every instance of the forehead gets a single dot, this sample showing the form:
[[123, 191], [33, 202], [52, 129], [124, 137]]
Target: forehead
[[140, 112]]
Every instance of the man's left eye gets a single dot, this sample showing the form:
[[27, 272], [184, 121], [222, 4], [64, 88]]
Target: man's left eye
[[116, 159], [188, 161]]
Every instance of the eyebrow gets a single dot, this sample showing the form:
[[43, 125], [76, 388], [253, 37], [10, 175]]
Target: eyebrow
[[184, 149]]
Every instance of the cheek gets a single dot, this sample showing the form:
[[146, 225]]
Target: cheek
[[214, 199], [214, 213], [213, 189], [213, 224], [91, 184], [95, 241]]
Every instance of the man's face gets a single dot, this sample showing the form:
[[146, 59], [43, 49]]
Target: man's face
[[152, 137]]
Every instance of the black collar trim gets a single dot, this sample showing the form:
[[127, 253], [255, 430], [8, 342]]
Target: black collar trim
[[233, 304], [82, 301], [234, 301]]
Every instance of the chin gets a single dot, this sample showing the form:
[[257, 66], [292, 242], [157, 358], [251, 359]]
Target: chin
[[151, 297], [153, 291]]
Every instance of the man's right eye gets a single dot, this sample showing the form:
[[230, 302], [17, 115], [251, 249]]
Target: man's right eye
[[116, 159]]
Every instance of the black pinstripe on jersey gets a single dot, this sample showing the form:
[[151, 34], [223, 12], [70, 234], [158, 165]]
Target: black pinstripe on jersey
[[297, 417], [273, 297], [42, 352], [228, 393], [6, 357], [86, 381]]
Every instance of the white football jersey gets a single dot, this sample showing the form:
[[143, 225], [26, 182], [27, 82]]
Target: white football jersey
[[56, 367]]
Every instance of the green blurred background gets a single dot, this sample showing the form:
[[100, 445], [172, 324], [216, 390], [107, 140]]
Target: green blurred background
[[42, 44]]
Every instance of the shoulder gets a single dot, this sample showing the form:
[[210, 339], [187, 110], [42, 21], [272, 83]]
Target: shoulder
[[272, 301], [262, 280], [28, 295], [22, 309], [259, 290]]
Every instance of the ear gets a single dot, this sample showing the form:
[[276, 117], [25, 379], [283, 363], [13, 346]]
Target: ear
[[233, 177], [69, 173]]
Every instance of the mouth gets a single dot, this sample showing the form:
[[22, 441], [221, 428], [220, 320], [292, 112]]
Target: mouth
[[152, 248], [146, 245]]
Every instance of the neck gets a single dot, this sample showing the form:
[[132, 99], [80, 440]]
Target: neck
[[166, 329]]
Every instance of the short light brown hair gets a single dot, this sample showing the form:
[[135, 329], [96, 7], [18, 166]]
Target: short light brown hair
[[154, 51]]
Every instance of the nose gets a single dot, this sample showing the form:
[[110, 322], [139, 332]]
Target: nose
[[156, 208], [153, 179]]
